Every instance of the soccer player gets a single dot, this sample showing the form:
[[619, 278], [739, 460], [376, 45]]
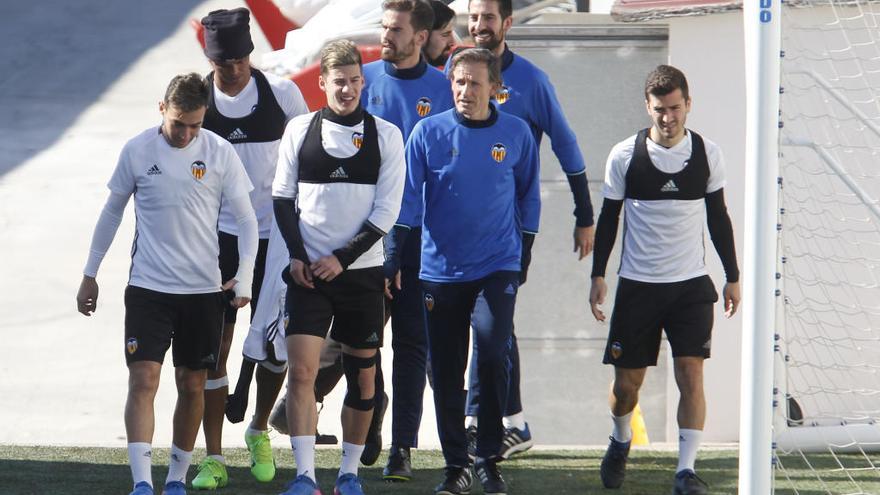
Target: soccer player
[[442, 37], [473, 186], [249, 109], [178, 176], [337, 191], [403, 89], [527, 93], [670, 182]]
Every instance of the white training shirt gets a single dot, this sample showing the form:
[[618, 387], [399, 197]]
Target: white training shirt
[[331, 214], [662, 239], [259, 159], [175, 246]]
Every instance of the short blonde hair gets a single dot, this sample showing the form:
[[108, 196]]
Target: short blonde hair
[[339, 53]]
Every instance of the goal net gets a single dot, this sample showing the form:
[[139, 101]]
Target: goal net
[[827, 365]]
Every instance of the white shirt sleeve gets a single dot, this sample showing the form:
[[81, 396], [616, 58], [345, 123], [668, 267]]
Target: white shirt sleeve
[[105, 231], [615, 170], [392, 172], [289, 96], [287, 170], [248, 242], [717, 177]]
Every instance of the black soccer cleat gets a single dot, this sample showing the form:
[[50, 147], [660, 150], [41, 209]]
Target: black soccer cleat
[[688, 483], [373, 445], [490, 477], [399, 467], [613, 466], [471, 435], [458, 481]]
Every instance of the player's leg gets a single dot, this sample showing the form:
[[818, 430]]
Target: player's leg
[[633, 345], [448, 307], [148, 333], [269, 382], [212, 470], [493, 328], [358, 321], [195, 349], [408, 374], [689, 331]]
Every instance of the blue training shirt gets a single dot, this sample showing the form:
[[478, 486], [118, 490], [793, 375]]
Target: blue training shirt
[[477, 186]]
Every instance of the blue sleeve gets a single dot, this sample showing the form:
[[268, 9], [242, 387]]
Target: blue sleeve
[[552, 121], [416, 162], [528, 184]]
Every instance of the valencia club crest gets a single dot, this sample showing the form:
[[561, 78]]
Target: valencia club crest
[[423, 107], [498, 152], [357, 139], [502, 95], [198, 169]]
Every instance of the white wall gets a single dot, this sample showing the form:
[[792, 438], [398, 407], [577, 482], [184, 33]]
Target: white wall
[[709, 49]]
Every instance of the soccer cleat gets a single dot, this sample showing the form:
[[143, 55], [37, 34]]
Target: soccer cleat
[[174, 488], [458, 481], [348, 484], [471, 435], [613, 467], [278, 417], [688, 483], [212, 475], [142, 488], [262, 460], [490, 477], [302, 485], [515, 441], [399, 467], [373, 445]]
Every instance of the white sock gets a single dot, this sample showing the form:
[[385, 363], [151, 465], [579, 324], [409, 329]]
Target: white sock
[[470, 421], [622, 431], [688, 445], [252, 432], [178, 464], [517, 421], [351, 456], [218, 458], [140, 458], [304, 455]]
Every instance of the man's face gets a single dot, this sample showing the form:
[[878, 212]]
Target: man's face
[[178, 127], [232, 73], [439, 44], [668, 114], [472, 90], [343, 86], [485, 24], [398, 38]]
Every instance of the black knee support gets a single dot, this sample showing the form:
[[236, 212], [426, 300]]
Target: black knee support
[[352, 365]]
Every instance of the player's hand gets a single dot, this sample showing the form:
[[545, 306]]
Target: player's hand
[[388, 283], [598, 290], [732, 295], [583, 240], [237, 301], [301, 274], [327, 268], [87, 296]]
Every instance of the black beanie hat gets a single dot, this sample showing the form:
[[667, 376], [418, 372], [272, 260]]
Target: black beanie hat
[[227, 34]]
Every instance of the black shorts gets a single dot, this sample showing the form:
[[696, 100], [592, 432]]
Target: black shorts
[[229, 266], [684, 310], [193, 322], [353, 302]]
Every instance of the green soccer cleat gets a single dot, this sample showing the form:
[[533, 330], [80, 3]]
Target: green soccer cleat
[[212, 475], [262, 459]]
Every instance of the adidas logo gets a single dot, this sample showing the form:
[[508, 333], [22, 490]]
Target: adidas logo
[[373, 338], [236, 135], [154, 170], [510, 289], [669, 187], [339, 173]]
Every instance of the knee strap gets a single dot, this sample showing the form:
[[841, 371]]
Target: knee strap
[[352, 366]]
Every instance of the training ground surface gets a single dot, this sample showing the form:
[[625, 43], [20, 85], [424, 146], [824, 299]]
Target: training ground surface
[[81, 471]]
